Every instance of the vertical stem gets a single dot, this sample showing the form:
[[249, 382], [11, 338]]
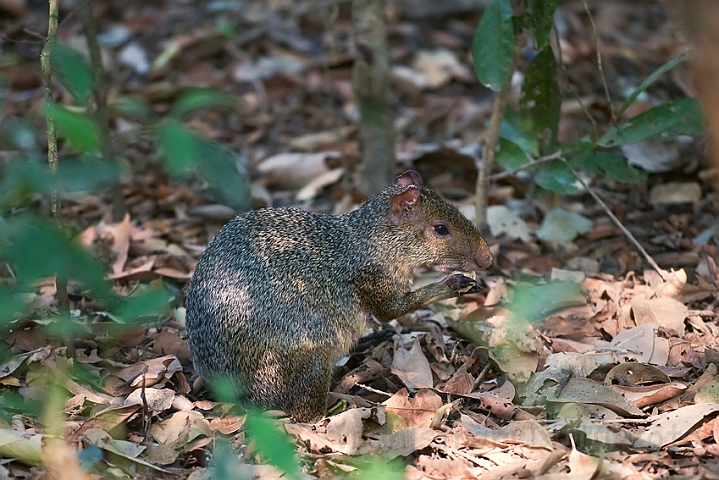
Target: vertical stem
[[490, 144], [52, 157], [371, 83], [47, 91]]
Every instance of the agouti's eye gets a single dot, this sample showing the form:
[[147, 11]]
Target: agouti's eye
[[441, 230]]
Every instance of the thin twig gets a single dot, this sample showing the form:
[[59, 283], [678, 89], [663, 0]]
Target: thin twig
[[46, 67], [599, 61], [616, 221], [533, 162], [480, 377], [374, 390]]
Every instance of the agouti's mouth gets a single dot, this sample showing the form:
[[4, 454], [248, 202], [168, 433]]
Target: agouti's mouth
[[465, 264]]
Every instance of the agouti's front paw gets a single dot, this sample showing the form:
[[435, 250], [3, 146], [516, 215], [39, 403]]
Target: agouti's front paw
[[461, 284]]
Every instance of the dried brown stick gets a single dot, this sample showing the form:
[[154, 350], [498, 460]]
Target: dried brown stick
[[616, 221], [490, 144]]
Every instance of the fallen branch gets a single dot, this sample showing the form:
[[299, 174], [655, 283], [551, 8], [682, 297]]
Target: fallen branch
[[616, 221]]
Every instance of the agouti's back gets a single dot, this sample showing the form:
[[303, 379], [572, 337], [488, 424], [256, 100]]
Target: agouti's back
[[280, 294]]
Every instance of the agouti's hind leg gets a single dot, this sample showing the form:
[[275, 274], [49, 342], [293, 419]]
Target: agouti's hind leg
[[309, 387]]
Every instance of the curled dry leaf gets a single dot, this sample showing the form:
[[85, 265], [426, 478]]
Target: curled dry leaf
[[581, 467], [649, 394], [158, 400], [635, 374], [181, 428], [227, 425], [411, 366], [345, 431], [14, 362], [154, 371], [111, 420]]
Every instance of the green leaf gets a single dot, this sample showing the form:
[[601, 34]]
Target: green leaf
[[77, 128], [272, 445], [653, 78], [535, 302], [133, 108], [150, 302], [510, 155], [679, 117], [513, 130], [614, 165], [11, 305], [376, 467], [493, 45], [25, 176], [78, 175], [543, 17], [557, 177], [540, 103], [199, 98], [178, 146], [559, 224], [73, 72], [37, 248], [217, 165]]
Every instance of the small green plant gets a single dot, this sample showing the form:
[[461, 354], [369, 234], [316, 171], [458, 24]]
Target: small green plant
[[531, 132]]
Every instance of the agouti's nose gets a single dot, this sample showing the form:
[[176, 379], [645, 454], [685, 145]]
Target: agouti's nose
[[483, 260]]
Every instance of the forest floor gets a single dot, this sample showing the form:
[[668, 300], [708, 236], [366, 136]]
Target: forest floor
[[615, 377]]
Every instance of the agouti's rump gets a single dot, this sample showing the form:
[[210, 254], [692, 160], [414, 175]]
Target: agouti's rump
[[280, 294]]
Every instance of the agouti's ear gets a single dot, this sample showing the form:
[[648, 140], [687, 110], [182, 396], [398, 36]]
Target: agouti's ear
[[405, 205], [410, 177]]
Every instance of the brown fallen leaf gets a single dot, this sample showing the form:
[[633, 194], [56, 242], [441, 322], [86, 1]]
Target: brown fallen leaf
[[642, 396], [407, 441], [670, 426], [419, 411], [181, 428], [345, 431], [411, 366]]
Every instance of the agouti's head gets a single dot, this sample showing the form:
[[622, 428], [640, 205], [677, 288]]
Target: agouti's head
[[446, 239]]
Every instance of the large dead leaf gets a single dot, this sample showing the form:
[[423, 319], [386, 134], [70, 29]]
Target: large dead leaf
[[528, 432], [419, 411], [406, 441], [411, 366], [671, 426], [26, 447], [665, 311], [181, 428], [642, 344], [583, 390]]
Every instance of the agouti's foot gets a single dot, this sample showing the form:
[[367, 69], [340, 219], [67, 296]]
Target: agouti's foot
[[461, 284]]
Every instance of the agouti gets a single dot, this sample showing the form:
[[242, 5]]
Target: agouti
[[281, 294]]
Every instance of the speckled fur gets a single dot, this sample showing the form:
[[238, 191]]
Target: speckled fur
[[280, 294]]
